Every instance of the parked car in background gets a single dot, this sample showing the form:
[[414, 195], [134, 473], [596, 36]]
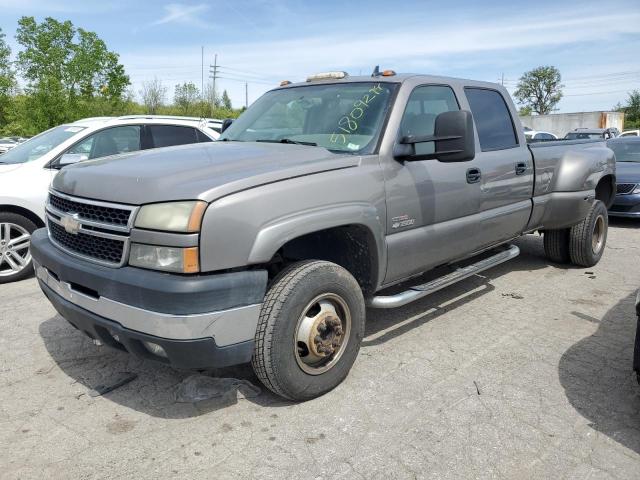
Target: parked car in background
[[27, 169], [6, 144], [627, 201], [636, 350], [534, 136], [630, 133], [592, 133]]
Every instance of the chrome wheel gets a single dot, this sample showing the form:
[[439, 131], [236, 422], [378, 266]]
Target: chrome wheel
[[15, 254], [322, 333], [597, 238]]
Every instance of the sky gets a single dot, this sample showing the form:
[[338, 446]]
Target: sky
[[594, 44]]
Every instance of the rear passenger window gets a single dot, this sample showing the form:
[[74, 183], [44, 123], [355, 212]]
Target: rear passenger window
[[492, 118], [170, 135], [424, 105]]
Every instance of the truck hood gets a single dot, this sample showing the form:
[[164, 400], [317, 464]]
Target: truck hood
[[201, 171], [4, 168], [627, 172]]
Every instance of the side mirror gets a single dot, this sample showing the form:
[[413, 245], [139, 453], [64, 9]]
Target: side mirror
[[226, 123], [71, 158], [453, 136]]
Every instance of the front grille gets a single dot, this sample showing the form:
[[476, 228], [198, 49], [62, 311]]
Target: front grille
[[625, 188], [103, 249], [93, 213]]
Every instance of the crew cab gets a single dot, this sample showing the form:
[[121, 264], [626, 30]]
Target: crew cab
[[267, 245]]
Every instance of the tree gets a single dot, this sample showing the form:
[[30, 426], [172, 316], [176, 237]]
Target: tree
[[153, 94], [631, 110], [226, 101], [68, 72], [186, 96], [525, 111], [7, 80], [540, 89]]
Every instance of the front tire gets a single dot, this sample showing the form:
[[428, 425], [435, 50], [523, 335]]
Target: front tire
[[15, 239], [309, 331], [588, 238]]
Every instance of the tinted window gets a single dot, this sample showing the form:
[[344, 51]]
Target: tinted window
[[110, 141], [169, 135], [492, 118], [424, 105], [544, 136], [202, 137]]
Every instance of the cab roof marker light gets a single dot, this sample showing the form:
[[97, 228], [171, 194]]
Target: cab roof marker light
[[327, 76], [388, 73], [284, 83]]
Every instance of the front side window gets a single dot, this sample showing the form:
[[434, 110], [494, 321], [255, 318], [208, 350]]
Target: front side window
[[424, 105], [110, 141], [492, 119], [345, 117], [171, 135], [37, 146]]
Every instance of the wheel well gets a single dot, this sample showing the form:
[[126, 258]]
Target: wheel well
[[353, 247], [24, 212], [606, 190]]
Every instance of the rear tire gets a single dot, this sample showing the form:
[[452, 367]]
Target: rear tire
[[15, 256], [556, 245], [588, 238], [309, 331]]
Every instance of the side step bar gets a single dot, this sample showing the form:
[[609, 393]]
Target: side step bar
[[419, 291]]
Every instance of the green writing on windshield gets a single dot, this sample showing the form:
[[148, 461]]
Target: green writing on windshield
[[349, 124]]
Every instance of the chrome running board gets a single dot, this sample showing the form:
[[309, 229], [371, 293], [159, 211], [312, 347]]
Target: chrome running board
[[419, 291]]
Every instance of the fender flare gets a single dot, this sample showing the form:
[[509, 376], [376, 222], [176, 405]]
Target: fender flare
[[273, 235]]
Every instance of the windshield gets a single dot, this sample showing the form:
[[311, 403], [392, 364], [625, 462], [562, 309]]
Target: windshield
[[340, 117], [625, 151], [36, 147]]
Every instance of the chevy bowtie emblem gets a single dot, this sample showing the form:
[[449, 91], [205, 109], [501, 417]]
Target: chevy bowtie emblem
[[70, 223]]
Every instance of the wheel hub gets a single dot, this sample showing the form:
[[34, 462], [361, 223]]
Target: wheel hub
[[326, 334]]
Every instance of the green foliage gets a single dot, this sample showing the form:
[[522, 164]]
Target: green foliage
[[69, 74], [540, 89], [185, 96], [7, 79], [226, 101], [525, 111], [631, 110]]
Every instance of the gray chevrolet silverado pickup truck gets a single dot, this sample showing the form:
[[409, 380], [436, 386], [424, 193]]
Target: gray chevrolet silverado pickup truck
[[323, 197]]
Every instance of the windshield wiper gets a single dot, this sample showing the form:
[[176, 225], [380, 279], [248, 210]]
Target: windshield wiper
[[289, 141]]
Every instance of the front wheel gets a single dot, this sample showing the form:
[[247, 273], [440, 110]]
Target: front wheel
[[310, 329], [588, 238], [15, 240]]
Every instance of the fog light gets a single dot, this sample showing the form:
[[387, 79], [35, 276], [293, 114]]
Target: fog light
[[155, 349]]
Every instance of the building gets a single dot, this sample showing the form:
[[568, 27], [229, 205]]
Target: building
[[561, 123]]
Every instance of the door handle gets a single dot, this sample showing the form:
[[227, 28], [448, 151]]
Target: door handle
[[521, 168], [473, 175]]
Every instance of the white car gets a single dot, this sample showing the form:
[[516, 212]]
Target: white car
[[534, 136], [27, 169], [7, 144], [630, 133]]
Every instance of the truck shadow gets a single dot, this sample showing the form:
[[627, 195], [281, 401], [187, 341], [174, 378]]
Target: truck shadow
[[383, 326], [155, 390], [597, 377]]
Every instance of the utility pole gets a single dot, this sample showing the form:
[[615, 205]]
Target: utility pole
[[202, 71], [502, 80], [246, 95], [213, 73]]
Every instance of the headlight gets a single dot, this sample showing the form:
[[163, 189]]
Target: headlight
[[172, 217], [637, 189], [168, 259]]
